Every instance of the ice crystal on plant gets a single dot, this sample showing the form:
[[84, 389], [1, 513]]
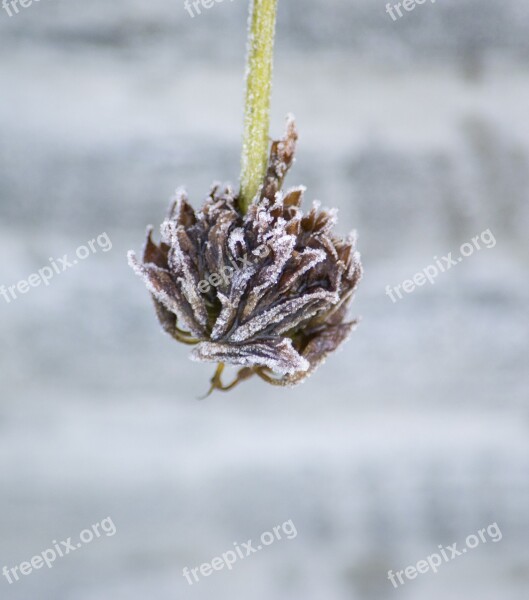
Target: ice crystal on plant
[[267, 291]]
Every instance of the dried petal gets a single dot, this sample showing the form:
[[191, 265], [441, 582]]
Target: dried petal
[[267, 291]]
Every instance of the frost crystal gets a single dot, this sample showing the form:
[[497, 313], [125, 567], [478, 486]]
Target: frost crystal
[[267, 291]]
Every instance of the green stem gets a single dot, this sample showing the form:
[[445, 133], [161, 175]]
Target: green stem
[[258, 91]]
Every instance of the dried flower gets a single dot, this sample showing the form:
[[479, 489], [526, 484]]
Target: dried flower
[[268, 290]]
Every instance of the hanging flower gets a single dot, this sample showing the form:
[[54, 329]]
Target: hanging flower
[[267, 290]]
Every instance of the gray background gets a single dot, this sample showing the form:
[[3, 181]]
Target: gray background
[[414, 435]]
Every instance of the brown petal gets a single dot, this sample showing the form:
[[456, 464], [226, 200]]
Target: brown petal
[[161, 285], [278, 355]]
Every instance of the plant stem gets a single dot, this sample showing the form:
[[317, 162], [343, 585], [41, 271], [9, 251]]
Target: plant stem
[[261, 33]]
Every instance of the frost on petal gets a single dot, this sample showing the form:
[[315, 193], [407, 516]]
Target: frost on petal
[[161, 285], [237, 243], [281, 249], [226, 317], [180, 211], [294, 196], [215, 249], [157, 255], [183, 259], [278, 355], [281, 159], [317, 350], [262, 323], [230, 304], [303, 262]]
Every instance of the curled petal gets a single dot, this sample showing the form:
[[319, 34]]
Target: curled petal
[[278, 355]]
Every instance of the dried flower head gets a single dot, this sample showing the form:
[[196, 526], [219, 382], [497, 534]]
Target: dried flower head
[[268, 290]]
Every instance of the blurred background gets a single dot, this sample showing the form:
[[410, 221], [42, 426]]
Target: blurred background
[[415, 434]]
